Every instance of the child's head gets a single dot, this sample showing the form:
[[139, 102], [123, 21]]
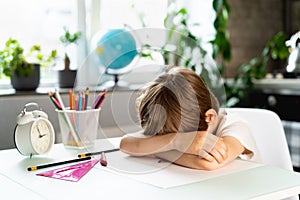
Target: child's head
[[176, 101]]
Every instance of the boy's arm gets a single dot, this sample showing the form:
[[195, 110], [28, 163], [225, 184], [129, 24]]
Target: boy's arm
[[137, 146], [191, 142], [235, 148]]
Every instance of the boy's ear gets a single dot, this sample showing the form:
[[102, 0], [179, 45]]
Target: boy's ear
[[210, 116]]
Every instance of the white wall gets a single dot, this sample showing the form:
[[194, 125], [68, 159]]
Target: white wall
[[117, 116]]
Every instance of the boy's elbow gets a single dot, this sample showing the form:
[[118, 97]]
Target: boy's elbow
[[124, 146], [129, 147]]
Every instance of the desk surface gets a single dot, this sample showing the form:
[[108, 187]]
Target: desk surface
[[262, 182]]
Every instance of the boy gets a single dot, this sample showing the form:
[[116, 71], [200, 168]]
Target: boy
[[181, 115]]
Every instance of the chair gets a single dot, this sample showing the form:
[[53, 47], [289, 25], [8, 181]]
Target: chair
[[269, 135]]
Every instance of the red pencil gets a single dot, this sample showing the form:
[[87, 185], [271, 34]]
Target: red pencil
[[97, 100], [101, 99], [55, 101]]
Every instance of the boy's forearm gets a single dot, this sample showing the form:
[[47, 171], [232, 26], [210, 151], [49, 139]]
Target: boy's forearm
[[190, 142], [184, 159], [147, 146], [199, 143]]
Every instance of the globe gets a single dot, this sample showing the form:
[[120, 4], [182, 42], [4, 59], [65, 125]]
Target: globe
[[116, 49]]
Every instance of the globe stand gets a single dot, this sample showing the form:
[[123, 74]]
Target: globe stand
[[116, 84]]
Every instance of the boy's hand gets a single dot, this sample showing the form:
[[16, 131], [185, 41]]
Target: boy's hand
[[203, 144], [189, 142], [217, 153]]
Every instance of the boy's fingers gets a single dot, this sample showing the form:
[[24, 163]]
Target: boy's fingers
[[217, 155], [206, 156], [218, 152], [220, 148], [209, 142]]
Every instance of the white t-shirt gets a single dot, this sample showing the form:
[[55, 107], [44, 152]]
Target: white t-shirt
[[233, 125]]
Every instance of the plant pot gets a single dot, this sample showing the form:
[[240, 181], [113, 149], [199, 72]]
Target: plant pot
[[66, 78], [26, 83]]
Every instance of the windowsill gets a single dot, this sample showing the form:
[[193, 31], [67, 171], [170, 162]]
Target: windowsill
[[7, 90], [132, 81], [44, 89], [39, 90]]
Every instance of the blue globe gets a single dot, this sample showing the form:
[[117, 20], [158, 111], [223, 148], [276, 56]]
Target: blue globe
[[116, 49]]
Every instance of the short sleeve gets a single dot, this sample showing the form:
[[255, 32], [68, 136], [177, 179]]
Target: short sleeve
[[234, 126]]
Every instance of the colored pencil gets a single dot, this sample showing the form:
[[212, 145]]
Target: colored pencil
[[97, 104], [97, 100], [80, 102], [54, 101], [96, 153], [71, 99], [87, 91], [74, 134], [101, 99]]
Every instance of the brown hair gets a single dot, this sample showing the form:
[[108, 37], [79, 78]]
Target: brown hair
[[176, 101]]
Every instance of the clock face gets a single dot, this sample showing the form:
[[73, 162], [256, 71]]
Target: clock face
[[41, 136]]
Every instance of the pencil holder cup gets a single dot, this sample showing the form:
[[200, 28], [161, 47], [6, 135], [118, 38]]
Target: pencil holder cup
[[78, 128]]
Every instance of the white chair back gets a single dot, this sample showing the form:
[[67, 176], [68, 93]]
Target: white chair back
[[269, 135]]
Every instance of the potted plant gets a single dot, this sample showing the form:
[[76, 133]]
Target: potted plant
[[248, 72], [23, 70], [67, 76]]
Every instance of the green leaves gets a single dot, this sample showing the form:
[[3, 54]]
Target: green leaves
[[256, 67], [221, 44], [11, 57], [42, 59], [13, 61], [248, 71], [277, 47], [182, 11], [186, 44], [69, 38]]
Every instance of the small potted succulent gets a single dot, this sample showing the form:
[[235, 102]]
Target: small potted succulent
[[67, 76], [23, 70]]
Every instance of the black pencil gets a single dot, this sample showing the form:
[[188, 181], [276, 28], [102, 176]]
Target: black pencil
[[96, 153], [32, 168]]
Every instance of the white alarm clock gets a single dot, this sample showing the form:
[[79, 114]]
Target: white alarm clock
[[34, 133]]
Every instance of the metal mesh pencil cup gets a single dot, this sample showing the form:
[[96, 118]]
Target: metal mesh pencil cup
[[78, 128]]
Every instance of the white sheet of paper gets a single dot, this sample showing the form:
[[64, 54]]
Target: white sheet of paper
[[164, 174]]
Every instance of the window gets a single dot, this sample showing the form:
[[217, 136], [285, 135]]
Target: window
[[202, 13], [42, 21], [110, 14], [38, 22]]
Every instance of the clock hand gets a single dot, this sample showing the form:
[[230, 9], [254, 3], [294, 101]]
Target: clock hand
[[40, 135]]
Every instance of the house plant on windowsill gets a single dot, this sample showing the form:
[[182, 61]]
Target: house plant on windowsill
[[24, 71], [67, 76]]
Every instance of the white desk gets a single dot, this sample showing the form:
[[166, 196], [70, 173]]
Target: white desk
[[263, 182]]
